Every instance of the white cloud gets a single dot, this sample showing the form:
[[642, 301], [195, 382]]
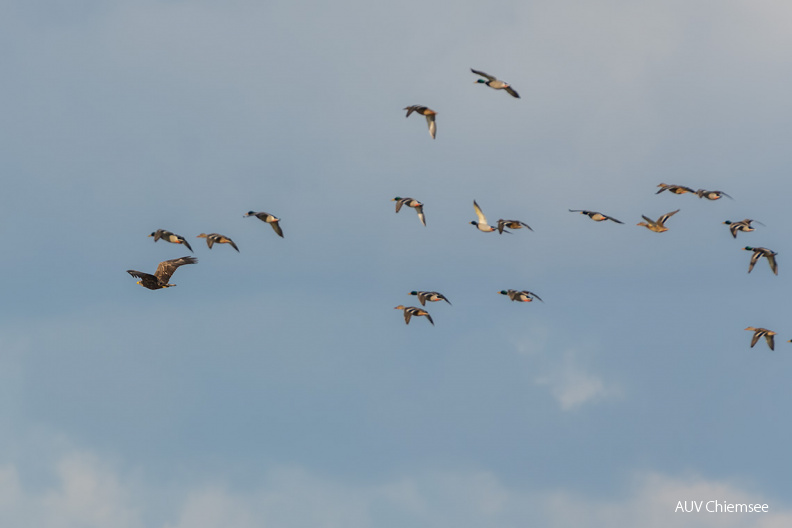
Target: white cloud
[[88, 493], [571, 385]]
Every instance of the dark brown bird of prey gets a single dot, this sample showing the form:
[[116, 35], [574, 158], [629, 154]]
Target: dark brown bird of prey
[[163, 274]]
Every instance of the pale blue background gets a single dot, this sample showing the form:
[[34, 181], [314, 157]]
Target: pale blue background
[[278, 387]]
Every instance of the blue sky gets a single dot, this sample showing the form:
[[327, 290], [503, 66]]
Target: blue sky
[[278, 386]]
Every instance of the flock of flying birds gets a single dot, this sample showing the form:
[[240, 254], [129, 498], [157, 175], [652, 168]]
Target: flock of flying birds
[[161, 277]]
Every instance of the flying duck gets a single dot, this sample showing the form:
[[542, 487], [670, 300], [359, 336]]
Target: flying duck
[[432, 296], [163, 274], [522, 296], [594, 215], [169, 237], [759, 252], [410, 202], [428, 113], [268, 218], [712, 195], [409, 311], [742, 225], [762, 332], [676, 189], [657, 226], [214, 238], [511, 224], [482, 224], [495, 83]]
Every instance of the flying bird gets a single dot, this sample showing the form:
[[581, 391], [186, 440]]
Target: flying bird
[[268, 218], [712, 195], [409, 311], [594, 215], [676, 189], [410, 202], [482, 224], [495, 83], [428, 113], [759, 252], [167, 236], [742, 225], [431, 296], [657, 225], [762, 332], [511, 224], [163, 274], [520, 295], [215, 238]]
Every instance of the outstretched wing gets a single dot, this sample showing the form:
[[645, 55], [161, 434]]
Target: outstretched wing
[[613, 219], [187, 244], [489, 77], [430, 318], [430, 120], [165, 269], [481, 218], [145, 277], [773, 264], [512, 92], [666, 216]]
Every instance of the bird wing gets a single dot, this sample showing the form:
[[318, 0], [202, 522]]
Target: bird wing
[[651, 222], [526, 225], [512, 92], [422, 298], [276, 226], [755, 337], [754, 258], [142, 276], [430, 120], [666, 216], [770, 341], [166, 268], [401, 202], [613, 219], [187, 244], [407, 315], [419, 209], [232, 244], [772, 261], [429, 317], [534, 295], [481, 218], [411, 109], [489, 77]]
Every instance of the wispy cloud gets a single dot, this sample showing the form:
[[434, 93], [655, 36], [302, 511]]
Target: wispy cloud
[[88, 492]]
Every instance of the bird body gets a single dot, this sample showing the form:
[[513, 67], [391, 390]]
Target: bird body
[[762, 332], [676, 189], [511, 224], [409, 311], [215, 238], [431, 296], [428, 113], [742, 225], [170, 237], [268, 218], [520, 295], [495, 83], [712, 195], [759, 252], [657, 225], [482, 224], [411, 202], [163, 274], [594, 215]]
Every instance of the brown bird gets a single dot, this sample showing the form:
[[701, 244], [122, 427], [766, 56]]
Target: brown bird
[[163, 274], [169, 237], [428, 113], [215, 238], [676, 189], [762, 332], [657, 225], [268, 218], [409, 311], [759, 252]]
